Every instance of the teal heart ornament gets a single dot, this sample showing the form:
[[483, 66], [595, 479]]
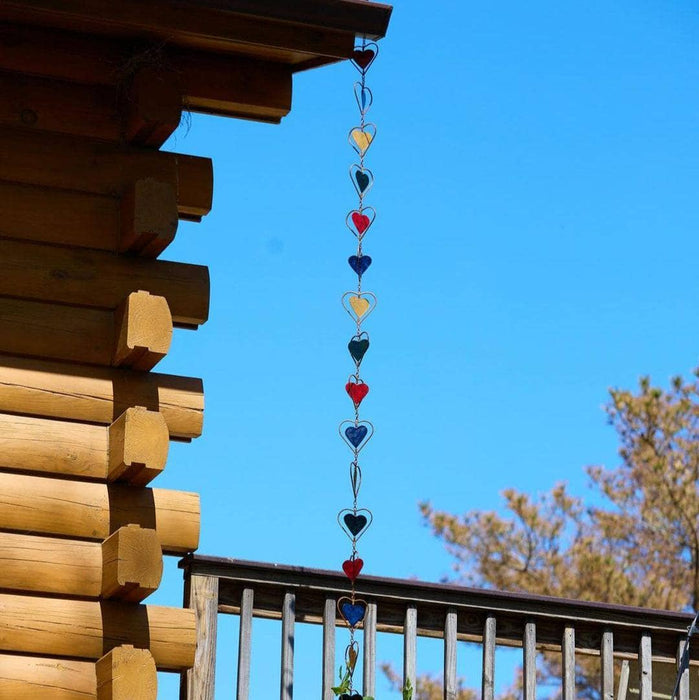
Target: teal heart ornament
[[362, 179], [358, 346]]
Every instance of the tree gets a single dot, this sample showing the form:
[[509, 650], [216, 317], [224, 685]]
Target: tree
[[639, 546]]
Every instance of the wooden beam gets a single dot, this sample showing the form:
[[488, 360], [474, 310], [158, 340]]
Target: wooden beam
[[234, 86], [126, 673], [132, 564], [148, 218], [98, 395], [89, 629], [42, 678], [97, 167], [101, 280], [59, 106], [83, 510], [138, 445], [59, 216], [143, 221], [137, 334], [143, 331], [153, 107], [128, 565], [133, 449], [188, 24]]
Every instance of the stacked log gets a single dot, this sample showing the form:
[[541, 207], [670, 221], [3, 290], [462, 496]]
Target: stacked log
[[89, 202]]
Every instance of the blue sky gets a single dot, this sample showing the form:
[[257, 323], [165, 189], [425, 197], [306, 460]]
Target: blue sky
[[537, 169]]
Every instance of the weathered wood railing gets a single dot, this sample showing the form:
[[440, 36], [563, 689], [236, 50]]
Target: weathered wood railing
[[535, 623]]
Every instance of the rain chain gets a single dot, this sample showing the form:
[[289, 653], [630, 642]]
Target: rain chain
[[359, 304]]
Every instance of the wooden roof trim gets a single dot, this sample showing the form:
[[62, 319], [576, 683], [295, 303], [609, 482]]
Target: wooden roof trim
[[315, 27]]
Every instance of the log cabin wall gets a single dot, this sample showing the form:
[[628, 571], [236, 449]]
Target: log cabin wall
[[89, 92]]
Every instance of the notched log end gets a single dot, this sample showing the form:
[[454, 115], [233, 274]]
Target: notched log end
[[138, 446], [126, 673], [143, 331], [132, 564], [149, 218]]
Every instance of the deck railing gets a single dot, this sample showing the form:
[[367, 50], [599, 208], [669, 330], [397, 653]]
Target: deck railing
[[537, 624]]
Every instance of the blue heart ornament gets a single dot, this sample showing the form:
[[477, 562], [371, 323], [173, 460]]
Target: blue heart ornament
[[356, 434], [362, 181], [352, 612], [359, 263]]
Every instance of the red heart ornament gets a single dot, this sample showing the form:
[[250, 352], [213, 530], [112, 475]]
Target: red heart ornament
[[352, 567], [363, 58], [357, 391], [361, 222]]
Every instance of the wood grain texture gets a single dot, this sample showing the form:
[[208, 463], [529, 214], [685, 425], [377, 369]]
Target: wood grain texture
[[43, 678], [139, 442], [329, 617], [231, 85], [59, 217], [59, 106], [50, 565], [97, 167], [488, 666], [148, 218], [143, 331], [201, 595], [89, 629], [133, 449], [152, 107], [101, 280], [92, 511], [137, 334], [142, 221], [132, 564], [128, 565], [126, 673], [245, 644], [98, 395]]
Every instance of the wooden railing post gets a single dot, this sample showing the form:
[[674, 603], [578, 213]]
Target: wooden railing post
[[645, 669], [287, 672], [607, 660], [369, 667], [245, 643], [328, 648], [201, 595], [410, 646], [529, 652], [488, 681], [450, 655], [683, 668], [568, 653]]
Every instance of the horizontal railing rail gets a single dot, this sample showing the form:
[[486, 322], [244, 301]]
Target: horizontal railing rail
[[412, 608]]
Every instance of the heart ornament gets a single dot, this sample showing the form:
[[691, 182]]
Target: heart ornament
[[359, 222], [356, 390], [352, 612], [354, 696], [359, 263], [361, 137], [359, 304], [358, 346], [352, 568], [355, 523], [356, 434], [364, 56], [362, 179], [364, 97]]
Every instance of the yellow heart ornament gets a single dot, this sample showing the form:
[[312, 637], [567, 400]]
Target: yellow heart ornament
[[361, 137], [359, 305]]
